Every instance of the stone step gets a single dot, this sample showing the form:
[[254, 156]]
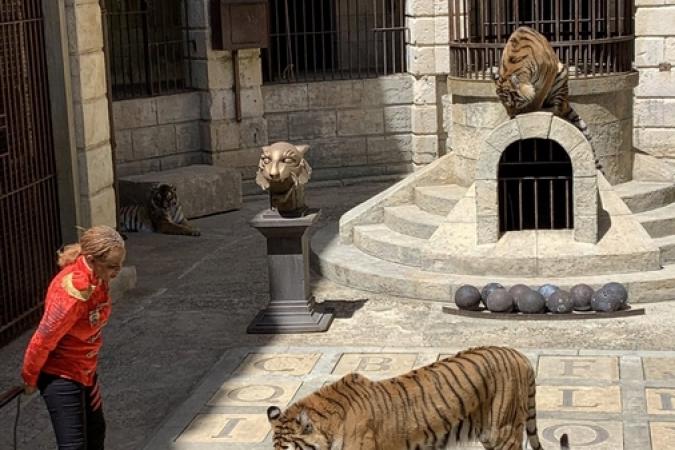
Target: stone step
[[642, 196], [348, 265], [411, 220], [667, 246], [384, 243], [438, 199], [658, 222]]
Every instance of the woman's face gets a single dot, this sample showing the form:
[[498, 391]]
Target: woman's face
[[108, 268]]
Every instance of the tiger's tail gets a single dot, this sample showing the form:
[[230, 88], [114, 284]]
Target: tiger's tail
[[573, 118], [531, 424]]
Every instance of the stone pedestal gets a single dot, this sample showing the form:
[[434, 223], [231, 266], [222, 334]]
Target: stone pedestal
[[291, 307]]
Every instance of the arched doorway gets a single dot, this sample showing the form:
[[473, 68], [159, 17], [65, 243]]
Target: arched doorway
[[535, 186]]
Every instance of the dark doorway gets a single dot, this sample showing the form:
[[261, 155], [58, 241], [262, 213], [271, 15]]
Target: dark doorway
[[535, 186]]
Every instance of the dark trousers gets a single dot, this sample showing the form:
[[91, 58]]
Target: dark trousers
[[76, 426]]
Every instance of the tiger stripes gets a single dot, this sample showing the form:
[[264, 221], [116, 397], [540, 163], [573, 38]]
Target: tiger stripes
[[134, 218], [531, 77], [484, 393]]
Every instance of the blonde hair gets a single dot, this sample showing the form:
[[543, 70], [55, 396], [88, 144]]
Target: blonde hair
[[96, 241]]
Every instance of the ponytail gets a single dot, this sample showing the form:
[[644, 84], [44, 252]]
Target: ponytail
[[68, 254]]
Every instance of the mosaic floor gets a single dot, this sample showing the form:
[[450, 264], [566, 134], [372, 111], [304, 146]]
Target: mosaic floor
[[605, 401]]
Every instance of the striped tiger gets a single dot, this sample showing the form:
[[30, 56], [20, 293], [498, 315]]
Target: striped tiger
[[531, 77], [484, 393], [163, 214]]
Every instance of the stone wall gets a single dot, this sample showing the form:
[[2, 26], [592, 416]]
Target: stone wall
[[473, 110], [355, 128], [654, 122], [157, 133], [90, 111]]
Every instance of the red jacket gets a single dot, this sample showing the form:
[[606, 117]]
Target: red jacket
[[67, 341]]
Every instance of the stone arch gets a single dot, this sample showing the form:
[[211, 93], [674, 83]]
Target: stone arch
[[542, 125]]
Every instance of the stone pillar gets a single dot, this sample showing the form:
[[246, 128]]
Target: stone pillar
[[90, 110], [654, 117], [428, 61], [226, 141]]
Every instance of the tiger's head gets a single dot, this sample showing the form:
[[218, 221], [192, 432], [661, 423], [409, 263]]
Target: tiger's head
[[297, 428], [282, 162], [163, 197], [513, 94]]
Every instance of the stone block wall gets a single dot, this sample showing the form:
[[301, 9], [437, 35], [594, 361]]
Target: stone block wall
[[157, 133], [90, 111], [654, 117], [356, 128], [428, 62]]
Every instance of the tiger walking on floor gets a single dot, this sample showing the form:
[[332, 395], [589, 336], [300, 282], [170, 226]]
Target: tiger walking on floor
[[485, 394]]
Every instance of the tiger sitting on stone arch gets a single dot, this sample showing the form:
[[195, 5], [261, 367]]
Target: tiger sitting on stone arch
[[485, 394]]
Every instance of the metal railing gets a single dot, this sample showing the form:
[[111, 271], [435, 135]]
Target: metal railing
[[535, 186], [148, 47], [29, 210], [316, 40], [592, 37]]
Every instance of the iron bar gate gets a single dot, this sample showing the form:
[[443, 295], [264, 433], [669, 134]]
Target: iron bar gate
[[29, 218], [316, 40], [535, 186], [592, 37]]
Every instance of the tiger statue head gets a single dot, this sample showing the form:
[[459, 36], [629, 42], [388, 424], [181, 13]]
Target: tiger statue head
[[283, 171]]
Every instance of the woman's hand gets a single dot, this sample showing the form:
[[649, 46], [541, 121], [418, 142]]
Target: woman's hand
[[29, 390]]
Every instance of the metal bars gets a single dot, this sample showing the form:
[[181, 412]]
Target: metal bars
[[29, 218], [317, 40], [148, 47], [535, 186], [592, 37]]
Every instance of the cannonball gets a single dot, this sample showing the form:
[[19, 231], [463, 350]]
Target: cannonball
[[606, 300], [500, 300], [547, 289], [517, 290], [618, 290], [487, 290], [467, 297], [581, 295], [531, 302], [560, 302]]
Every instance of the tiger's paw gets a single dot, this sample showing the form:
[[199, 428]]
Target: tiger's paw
[[195, 233]]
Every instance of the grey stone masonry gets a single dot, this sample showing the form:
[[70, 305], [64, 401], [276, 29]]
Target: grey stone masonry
[[158, 133], [654, 119], [541, 125], [355, 128], [201, 189]]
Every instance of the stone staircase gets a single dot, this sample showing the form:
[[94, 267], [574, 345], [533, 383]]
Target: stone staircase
[[417, 240]]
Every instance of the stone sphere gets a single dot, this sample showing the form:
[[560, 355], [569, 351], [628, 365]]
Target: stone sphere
[[500, 300], [617, 290], [547, 289], [531, 302], [560, 302], [517, 290], [487, 290], [581, 295], [607, 300], [467, 297]]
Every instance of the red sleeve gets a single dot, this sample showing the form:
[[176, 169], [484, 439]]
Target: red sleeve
[[61, 314]]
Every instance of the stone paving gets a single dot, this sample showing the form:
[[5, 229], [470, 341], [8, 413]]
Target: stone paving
[[604, 400], [175, 338]]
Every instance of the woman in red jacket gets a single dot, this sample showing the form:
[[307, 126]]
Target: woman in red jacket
[[61, 358]]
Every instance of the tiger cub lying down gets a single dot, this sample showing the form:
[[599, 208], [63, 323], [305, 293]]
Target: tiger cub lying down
[[485, 394]]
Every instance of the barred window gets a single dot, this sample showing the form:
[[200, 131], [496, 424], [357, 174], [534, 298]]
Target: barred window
[[315, 40], [147, 47]]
